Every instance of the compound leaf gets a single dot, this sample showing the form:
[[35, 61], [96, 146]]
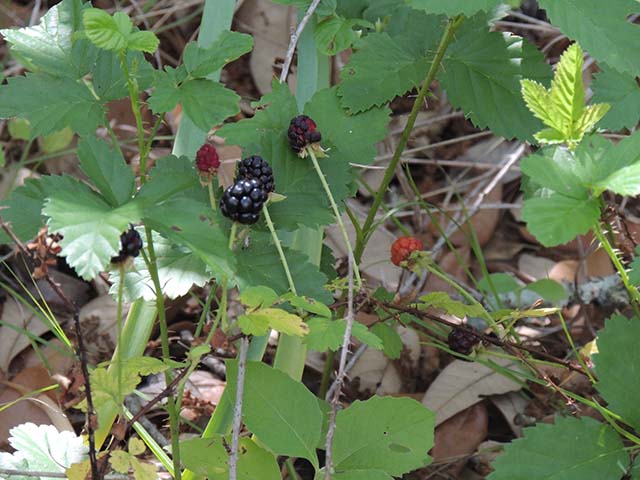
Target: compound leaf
[[622, 92], [451, 8], [229, 46], [383, 433], [571, 448]]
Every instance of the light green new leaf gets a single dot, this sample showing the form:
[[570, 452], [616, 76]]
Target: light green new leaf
[[49, 46], [383, 433], [451, 8], [229, 46], [493, 64], [616, 363], [622, 92], [143, 41], [19, 128], [307, 304], [556, 219], [107, 170], [258, 296], [281, 412], [324, 334], [570, 449], [90, 227], [444, 301], [602, 28], [31, 97], [115, 32], [562, 107], [208, 457], [259, 322], [178, 269]]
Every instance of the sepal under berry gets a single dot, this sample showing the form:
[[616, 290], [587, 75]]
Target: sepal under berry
[[242, 202]]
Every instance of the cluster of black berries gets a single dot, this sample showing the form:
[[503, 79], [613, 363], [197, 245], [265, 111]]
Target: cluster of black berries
[[242, 202], [130, 246]]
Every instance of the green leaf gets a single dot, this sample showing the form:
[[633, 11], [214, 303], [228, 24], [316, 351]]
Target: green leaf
[[451, 8], [116, 32], [383, 433], [272, 395], [634, 272], [493, 64], [616, 363], [41, 448], [502, 283], [259, 296], [259, 322], [205, 102], [51, 103], [556, 219], [19, 129], [107, 169], [49, 46], [324, 334], [54, 142], [24, 211], [548, 289], [619, 168], [444, 301], [91, 227], [109, 81], [307, 304], [557, 169], [178, 269], [208, 457], [229, 46], [362, 333], [355, 475], [392, 345], [335, 34], [602, 28], [571, 448], [169, 176], [622, 92], [199, 231]]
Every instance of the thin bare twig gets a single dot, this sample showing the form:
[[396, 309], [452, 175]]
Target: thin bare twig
[[342, 372], [352, 362], [294, 40], [237, 409]]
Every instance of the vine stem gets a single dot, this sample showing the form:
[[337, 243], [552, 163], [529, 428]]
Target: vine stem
[[278, 245], [336, 212], [212, 197], [237, 409], [119, 328], [174, 418], [634, 295], [447, 37]]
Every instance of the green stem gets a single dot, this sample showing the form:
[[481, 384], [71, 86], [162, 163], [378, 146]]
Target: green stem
[[212, 197], [575, 351], [232, 235], [445, 41], [326, 374], [634, 294], [278, 245], [134, 93], [174, 414], [337, 214], [119, 329]]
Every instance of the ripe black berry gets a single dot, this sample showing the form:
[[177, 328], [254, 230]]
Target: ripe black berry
[[461, 341], [257, 168], [130, 246], [302, 133], [242, 202]]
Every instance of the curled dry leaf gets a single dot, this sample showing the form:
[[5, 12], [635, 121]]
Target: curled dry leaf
[[462, 384]]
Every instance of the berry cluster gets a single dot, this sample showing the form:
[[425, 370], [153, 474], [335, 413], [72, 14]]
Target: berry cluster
[[402, 248], [303, 134], [130, 246], [462, 341], [242, 202]]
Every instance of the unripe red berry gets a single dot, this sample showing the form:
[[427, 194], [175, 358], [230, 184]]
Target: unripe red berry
[[402, 248], [303, 132], [207, 160]]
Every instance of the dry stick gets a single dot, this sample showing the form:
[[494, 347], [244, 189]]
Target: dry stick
[[337, 384], [294, 40], [352, 362], [237, 409], [455, 222], [81, 352]]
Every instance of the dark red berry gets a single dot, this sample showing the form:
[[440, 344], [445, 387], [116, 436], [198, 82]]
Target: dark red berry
[[130, 246], [402, 248], [207, 160], [462, 341], [242, 202], [257, 168], [303, 133]]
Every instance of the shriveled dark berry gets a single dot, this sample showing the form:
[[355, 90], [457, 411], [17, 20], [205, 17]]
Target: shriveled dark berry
[[207, 160], [462, 341], [302, 133], [130, 246], [257, 168], [242, 202]]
